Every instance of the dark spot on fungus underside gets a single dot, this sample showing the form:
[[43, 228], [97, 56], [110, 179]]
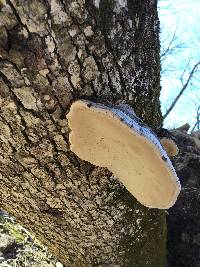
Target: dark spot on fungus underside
[[89, 105], [164, 158]]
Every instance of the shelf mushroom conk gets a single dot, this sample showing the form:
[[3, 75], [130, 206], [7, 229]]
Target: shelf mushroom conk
[[117, 139]]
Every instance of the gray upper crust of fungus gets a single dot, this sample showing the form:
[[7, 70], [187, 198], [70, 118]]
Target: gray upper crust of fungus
[[117, 139]]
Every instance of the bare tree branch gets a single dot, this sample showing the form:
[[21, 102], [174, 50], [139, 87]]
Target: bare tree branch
[[186, 67], [182, 90], [197, 124], [170, 48]]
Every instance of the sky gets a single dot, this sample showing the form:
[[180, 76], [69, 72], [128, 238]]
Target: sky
[[182, 19]]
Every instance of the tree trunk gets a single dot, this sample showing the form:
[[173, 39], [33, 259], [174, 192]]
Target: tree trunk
[[183, 219], [52, 53]]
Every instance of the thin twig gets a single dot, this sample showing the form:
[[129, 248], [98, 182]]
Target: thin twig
[[181, 91]]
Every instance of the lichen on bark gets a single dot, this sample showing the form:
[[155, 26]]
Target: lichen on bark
[[52, 53]]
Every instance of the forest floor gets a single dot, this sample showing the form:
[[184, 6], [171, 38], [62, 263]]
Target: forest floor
[[18, 248]]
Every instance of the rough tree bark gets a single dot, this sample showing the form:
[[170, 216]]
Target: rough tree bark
[[53, 52]]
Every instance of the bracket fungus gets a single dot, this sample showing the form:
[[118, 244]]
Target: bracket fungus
[[117, 139], [169, 146]]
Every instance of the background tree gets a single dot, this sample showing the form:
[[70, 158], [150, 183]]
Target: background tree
[[52, 53]]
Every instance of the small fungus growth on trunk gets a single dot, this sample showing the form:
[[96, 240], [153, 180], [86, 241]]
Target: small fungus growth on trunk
[[118, 140], [169, 146]]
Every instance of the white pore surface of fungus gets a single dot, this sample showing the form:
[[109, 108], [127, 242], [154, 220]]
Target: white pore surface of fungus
[[118, 140]]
